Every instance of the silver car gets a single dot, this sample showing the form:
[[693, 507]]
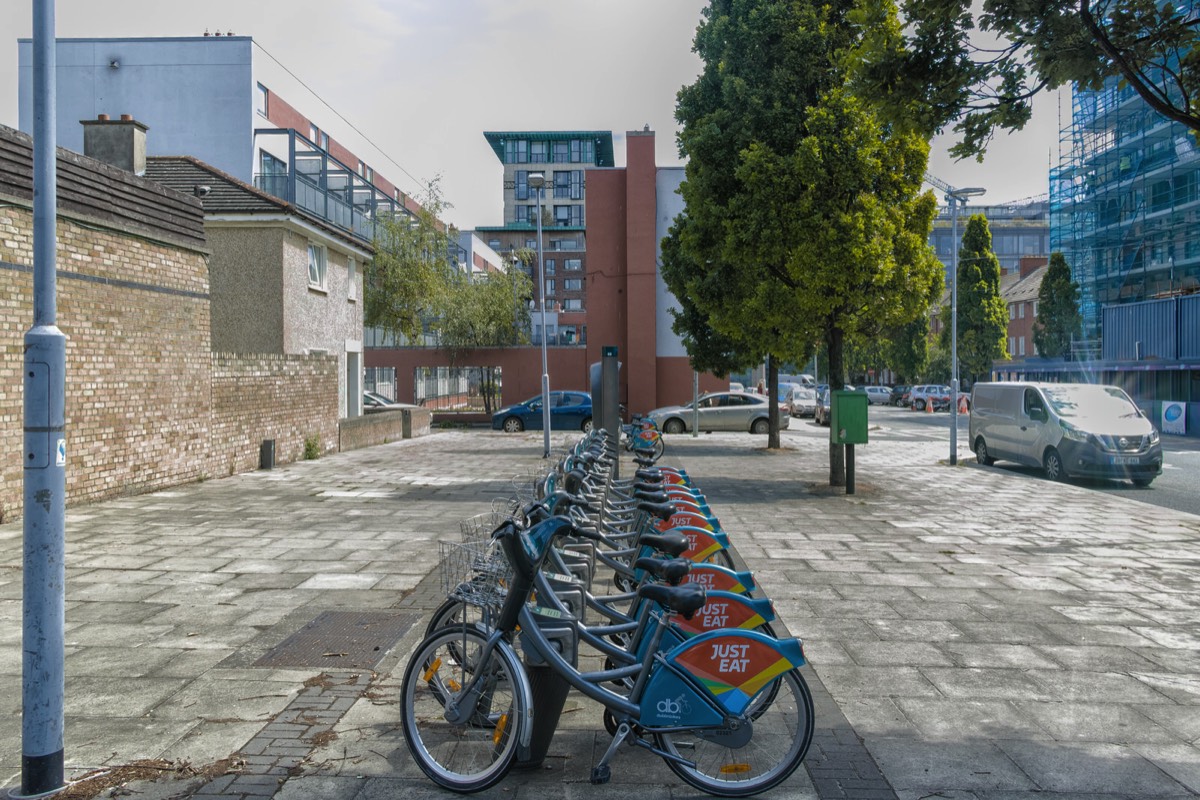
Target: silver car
[[802, 402], [720, 411]]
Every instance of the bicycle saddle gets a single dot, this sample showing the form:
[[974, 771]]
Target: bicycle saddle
[[686, 599], [672, 543], [645, 461], [660, 510], [653, 497], [672, 570]]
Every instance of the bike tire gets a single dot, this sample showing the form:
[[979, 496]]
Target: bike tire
[[477, 754], [453, 612], [782, 733], [722, 558]]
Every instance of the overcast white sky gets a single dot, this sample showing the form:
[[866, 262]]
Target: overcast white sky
[[422, 79]]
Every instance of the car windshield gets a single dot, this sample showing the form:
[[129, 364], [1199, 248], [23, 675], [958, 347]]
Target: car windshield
[[1090, 401]]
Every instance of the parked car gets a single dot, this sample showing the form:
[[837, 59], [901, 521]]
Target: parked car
[[930, 395], [1066, 429], [802, 402], [899, 395], [734, 386], [878, 395], [719, 411], [569, 411], [821, 414], [374, 403]]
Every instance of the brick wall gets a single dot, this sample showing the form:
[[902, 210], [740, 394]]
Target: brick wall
[[136, 315], [265, 396]]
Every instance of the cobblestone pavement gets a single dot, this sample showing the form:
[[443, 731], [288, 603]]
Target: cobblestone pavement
[[973, 633]]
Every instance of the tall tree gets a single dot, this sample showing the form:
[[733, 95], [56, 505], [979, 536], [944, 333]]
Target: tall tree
[[484, 311], [982, 317], [407, 284], [932, 73], [803, 219], [1058, 319]]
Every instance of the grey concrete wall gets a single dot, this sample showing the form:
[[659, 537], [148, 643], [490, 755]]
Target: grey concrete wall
[[195, 94], [246, 285]]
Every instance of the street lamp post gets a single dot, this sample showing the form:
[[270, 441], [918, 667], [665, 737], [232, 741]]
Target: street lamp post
[[536, 181], [955, 197]]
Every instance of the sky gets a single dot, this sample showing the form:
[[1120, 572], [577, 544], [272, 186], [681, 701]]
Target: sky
[[421, 80]]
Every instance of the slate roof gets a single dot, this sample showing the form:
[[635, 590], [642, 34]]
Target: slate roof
[[229, 195], [1024, 290], [104, 193]]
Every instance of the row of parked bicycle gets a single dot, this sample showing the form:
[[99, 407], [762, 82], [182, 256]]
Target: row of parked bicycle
[[688, 665]]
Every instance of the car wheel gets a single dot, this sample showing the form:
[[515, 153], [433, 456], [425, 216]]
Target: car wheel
[[920, 405], [673, 426], [1143, 481], [1052, 466], [513, 425], [586, 427], [760, 426], [981, 453]]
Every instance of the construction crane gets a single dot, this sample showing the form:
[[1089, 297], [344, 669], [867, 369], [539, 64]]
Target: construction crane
[[938, 183]]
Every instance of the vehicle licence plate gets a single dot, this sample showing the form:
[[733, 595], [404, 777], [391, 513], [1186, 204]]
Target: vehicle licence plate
[[1125, 460]]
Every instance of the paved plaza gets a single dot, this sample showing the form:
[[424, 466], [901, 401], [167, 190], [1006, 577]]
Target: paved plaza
[[974, 634]]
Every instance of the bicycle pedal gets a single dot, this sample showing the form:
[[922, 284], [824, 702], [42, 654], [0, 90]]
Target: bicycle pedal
[[601, 774]]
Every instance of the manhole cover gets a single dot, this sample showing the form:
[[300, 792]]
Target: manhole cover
[[340, 640]]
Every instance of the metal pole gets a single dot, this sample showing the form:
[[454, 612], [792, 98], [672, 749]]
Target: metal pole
[[542, 298], [45, 454], [695, 404], [954, 330]]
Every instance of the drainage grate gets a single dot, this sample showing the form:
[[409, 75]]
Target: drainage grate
[[340, 640]]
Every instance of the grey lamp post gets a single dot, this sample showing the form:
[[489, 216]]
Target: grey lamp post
[[955, 197], [536, 181]]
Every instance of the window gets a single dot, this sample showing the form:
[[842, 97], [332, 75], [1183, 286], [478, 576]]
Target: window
[[568, 184], [1021, 346], [573, 284], [1021, 315], [352, 274], [324, 141], [493, 243], [531, 244], [538, 153], [549, 266], [521, 184], [270, 165], [316, 266], [549, 287], [1012, 345], [568, 215], [564, 244], [1012, 314], [573, 264], [573, 304], [314, 133], [562, 152], [260, 99], [1035, 302]]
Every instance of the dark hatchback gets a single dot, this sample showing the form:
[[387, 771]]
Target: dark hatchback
[[569, 411]]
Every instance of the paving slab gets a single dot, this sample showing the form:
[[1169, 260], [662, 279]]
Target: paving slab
[[996, 639]]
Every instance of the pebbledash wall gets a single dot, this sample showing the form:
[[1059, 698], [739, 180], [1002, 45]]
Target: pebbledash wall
[[148, 404]]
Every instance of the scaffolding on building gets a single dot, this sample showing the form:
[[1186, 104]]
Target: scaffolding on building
[[1124, 201]]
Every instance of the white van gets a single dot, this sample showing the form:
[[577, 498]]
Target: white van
[[1067, 429]]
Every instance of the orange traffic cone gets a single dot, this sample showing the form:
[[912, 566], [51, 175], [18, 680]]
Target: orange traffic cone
[[962, 404], [929, 405]]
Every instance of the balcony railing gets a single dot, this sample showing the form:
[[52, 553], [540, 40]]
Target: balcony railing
[[324, 187]]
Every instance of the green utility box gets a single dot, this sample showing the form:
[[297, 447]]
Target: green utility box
[[848, 418]]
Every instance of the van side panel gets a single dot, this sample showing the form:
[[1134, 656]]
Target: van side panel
[[995, 416]]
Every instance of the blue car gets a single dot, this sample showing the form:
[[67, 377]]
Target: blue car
[[569, 411]]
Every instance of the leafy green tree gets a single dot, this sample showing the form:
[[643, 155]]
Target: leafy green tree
[[480, 312], [803, 219], [906, 349], [408, 282], [982, 315], [1058, 319], [931, 72]]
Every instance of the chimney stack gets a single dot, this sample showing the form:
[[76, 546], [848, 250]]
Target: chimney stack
[[121, 143]]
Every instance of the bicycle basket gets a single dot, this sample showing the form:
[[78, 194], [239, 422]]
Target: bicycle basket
[[479, 527], [474, 572]]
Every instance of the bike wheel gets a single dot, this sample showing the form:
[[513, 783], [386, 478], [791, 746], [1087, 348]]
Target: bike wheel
[[475, 753], [722, 558], [453, 612], [781, 733]]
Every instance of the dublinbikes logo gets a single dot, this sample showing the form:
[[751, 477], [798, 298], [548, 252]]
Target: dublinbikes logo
[[674, 708]]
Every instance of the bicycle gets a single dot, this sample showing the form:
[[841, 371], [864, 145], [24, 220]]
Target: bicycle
[[728, 711]]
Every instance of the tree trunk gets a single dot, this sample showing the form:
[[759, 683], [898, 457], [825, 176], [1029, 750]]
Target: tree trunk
[[837, 452], [773, 403]]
